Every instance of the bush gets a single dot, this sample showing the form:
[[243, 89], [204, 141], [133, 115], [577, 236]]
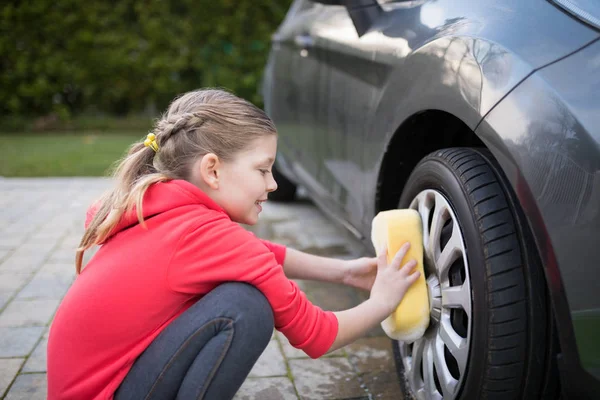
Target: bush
[[66, 56]]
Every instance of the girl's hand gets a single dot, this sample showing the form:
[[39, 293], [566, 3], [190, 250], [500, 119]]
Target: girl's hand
[[393, 281], [360, 273]]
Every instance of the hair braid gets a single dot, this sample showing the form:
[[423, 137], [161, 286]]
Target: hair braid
[[176, 123]]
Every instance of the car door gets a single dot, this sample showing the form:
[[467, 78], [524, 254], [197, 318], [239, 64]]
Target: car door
[[292, 105], [347, 87]]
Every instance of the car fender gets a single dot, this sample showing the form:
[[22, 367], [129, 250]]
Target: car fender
[[545, 137]]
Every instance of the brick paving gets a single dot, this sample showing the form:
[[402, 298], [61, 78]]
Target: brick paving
[[41, 224]]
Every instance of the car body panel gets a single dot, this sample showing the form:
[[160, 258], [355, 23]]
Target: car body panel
[[349, 94], [546, 137]]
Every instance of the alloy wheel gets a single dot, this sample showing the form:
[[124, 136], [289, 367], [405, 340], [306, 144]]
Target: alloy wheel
[[436, 364]]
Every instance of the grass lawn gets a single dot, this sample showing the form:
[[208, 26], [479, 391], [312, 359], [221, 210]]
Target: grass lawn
[[63, 153]]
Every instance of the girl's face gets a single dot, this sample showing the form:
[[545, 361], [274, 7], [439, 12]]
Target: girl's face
[[245, 182]]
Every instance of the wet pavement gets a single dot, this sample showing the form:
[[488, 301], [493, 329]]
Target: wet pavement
[[41, 222]]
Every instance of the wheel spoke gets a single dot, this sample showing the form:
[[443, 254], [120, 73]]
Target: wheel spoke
[[430, 389], [428, 370], [414, 375], [424, 209], [456, 297], [457, 345], [440, 214], [447, 381], [451, 252]]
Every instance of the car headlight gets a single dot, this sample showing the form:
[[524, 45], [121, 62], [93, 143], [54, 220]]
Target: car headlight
[[586, 10]]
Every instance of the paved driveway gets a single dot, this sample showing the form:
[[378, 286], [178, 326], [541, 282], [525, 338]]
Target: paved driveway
[[41, 224]]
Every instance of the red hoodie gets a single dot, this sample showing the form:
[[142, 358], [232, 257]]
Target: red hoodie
[[142, 279]]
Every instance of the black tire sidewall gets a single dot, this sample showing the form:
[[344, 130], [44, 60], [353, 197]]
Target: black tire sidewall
[[437, 175]]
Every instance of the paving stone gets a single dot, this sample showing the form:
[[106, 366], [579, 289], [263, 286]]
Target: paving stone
[[383, 385], [10, 282], [64, 269], [28, 387], [47, 284], [18, 229], [371, 354], [266, 389], [16, 264], [20, 313], [37, 360], [4, 297], [62, 255], [373, 359], [270, 363], [71, 241], [326, 378], [34, 250], [291, 352], [9, 242], [46, 237], [331, 296], [3, 252], [9, 367], [18, 342]]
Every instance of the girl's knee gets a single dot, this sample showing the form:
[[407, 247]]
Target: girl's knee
[[255, 309]]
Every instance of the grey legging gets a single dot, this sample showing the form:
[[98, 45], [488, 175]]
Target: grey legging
[[207, 352]]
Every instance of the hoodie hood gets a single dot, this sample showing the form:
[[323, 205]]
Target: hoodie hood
[[160, 197]]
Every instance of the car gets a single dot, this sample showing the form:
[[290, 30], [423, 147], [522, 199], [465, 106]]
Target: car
[[484, 117]]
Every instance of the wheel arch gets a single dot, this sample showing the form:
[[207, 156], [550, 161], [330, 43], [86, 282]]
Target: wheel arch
[[419, 135]]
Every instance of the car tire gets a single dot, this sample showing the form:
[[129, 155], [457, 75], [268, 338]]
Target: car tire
[[286, 190], [507, 331]]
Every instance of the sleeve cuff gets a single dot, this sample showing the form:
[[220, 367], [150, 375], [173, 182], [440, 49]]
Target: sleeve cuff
[[278, 250], [325, 339]]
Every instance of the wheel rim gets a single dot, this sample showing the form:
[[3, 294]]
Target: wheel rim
[[435, 365]]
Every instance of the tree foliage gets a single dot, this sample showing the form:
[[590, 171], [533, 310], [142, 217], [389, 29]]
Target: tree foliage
[[119, 57]]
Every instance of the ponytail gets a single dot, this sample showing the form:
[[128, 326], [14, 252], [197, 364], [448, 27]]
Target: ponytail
[[134, 175]]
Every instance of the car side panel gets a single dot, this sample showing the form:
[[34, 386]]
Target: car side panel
[[546, 136], [458, 57]]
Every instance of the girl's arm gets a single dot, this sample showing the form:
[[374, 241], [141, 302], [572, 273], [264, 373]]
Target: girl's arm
[[300, 265], [359, 273]]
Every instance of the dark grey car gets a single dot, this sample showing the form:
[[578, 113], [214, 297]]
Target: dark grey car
[[485, 117]]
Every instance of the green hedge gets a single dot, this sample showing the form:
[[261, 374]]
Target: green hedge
[[121, 57]]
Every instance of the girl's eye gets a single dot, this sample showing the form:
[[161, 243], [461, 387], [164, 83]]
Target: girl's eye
[[264, 171]]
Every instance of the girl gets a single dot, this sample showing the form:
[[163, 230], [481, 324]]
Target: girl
[[180, 300]]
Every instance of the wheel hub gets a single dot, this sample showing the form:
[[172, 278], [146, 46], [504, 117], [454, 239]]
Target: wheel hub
[[435, 300]]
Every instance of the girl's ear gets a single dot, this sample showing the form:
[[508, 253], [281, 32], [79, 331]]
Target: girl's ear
[[209, 170]]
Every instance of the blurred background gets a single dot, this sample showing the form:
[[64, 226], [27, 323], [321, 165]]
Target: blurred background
[[80, 81]]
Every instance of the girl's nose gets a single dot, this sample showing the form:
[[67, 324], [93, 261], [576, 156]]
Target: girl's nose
[[271, 185]]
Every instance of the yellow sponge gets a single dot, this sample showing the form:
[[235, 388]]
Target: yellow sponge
[[395, 227]]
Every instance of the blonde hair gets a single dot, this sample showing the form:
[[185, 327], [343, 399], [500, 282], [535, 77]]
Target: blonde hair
[[195, 124]]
